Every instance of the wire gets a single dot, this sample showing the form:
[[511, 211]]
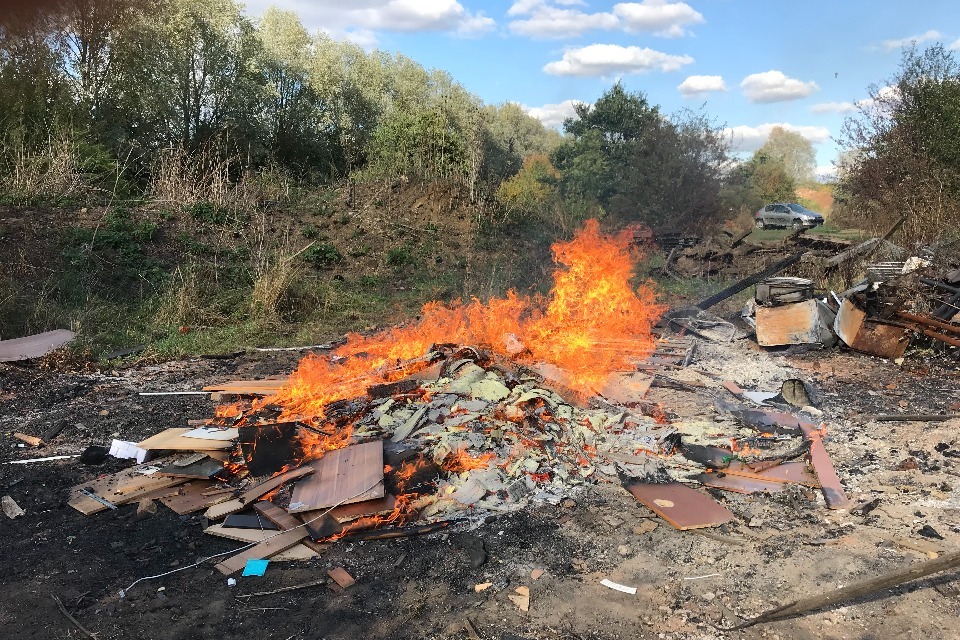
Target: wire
[[123, 592]]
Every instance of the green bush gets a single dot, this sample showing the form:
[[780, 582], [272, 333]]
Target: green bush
[[321, 256], [401, 256]]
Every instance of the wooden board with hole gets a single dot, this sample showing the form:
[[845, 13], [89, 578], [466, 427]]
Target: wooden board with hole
[[121, 488], [342, 476]]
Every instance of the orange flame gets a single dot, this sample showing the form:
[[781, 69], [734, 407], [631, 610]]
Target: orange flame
[[591, 324], [461, 461]]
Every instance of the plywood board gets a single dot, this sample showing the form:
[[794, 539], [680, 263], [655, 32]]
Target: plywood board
[[120, 488], [347, 475], [34, 346], [266, 549], [174, 439], [189, 497], [681, 506], [237, 504], [213, 433], [296, 552]]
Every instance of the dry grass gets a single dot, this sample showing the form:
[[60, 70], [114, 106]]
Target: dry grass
[[49, 172], [185, 179]]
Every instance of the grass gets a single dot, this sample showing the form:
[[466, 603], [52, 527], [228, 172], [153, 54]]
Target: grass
[[761, 236]]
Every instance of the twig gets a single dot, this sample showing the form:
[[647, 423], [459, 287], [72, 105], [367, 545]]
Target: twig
[[857, 590], [315, 583], [75, 622]]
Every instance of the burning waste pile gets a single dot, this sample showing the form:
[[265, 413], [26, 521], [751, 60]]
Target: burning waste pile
[[475, 409]]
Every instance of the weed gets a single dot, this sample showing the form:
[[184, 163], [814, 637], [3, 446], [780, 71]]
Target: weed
[[401, 256], [207, 212], [311, 232], [322, 255]]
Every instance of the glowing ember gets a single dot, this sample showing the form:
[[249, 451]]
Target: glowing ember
[[591, 324]]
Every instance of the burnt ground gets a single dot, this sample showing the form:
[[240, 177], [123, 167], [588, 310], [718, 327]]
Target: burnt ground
[[780, 548]]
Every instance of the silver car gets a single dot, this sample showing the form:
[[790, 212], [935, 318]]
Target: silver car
[[787, 214]]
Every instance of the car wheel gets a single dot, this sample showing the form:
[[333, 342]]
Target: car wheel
[[797, 225], [760, 224]]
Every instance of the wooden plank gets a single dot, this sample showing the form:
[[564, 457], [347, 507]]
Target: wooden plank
[[681, 506], [173, 439], [190, 498], [33, 441], [284, 520], [266, 549], [296, 552], [248, 387], [232, 506], [350, 474]]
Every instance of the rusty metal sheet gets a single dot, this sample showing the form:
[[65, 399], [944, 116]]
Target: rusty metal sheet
[[681, 506], [787, 472], [806, 322], [34, 346], [876, 338], [738, 484], [829, 481]]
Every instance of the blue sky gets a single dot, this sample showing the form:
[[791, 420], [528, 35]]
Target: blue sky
[[752, 64]]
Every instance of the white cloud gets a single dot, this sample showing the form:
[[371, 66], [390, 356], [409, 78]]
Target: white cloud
[[826, 172], [364, 16], [747, 138], [660, 17], [774, 86], [897, 43], [955, 45], [695, 85], [833, 107], [543, 20], [886, 97], [553, 115], [611, 59]]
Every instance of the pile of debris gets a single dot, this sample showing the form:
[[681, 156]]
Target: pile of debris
[[728, 255], [890, 310], [469, 434]]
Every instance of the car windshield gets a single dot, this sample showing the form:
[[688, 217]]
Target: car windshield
[[798, 208]]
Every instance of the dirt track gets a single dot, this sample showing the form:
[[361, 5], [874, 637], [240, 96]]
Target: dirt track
[[423, 587]]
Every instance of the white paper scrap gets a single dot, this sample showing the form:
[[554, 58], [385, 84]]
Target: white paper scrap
[[619, 587], [127, 451]]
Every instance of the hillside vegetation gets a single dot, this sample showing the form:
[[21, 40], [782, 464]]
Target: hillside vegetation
[[178, 174]]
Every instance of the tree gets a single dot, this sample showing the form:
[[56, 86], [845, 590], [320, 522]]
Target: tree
[[906, 149], [757, 182], [627, 158], [793, 151]]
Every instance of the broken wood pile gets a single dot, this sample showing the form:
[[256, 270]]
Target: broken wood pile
[[728, 255]]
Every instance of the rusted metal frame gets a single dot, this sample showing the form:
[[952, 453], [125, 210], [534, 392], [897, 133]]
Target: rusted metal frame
[[950, 328]]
